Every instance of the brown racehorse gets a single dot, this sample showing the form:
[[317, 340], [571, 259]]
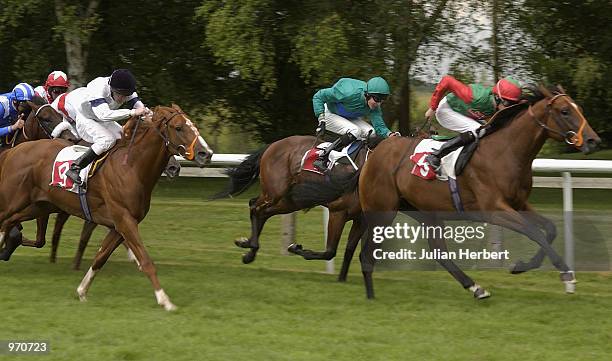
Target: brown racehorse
[[119, 194], [41, 119], [496, 183], [285, 189]]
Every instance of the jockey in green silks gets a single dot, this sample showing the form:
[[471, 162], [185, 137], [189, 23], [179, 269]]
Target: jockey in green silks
[[343, 108]]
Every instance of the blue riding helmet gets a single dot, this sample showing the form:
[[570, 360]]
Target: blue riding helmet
[[23, 92]]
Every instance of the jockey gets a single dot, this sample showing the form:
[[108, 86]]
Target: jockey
[[10, 120], [342, 109], [97, 112], [57, 83], [464, 110]]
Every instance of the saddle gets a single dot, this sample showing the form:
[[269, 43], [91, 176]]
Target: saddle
[[62, 163], [346, 155]]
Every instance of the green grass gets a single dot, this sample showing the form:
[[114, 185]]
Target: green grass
[[285, 308]]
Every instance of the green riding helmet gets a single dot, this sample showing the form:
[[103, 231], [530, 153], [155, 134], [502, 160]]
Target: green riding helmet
[[378, 85]]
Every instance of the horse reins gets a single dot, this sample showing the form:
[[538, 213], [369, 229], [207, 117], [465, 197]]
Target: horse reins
[[571, 137], [189, 152]]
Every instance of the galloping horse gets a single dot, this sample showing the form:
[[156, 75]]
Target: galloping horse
[[120, 193], [41, 119], [496, 183], [285, 188]]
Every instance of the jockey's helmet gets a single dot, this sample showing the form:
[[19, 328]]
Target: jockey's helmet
[[123, 82], [508, 89], [23, 92], [57, 79], [378, 89]]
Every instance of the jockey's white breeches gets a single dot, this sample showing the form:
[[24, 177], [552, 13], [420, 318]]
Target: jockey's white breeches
[[359, 128], [102, 135], [450, 119]]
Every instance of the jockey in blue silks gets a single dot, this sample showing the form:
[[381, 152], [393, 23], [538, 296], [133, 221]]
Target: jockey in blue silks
[[10, 119]]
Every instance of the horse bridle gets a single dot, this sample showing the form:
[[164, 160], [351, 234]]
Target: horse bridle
[[571, 137], [188, 153]]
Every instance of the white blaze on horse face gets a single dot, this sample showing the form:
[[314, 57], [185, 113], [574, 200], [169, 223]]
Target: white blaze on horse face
[[205, 145]]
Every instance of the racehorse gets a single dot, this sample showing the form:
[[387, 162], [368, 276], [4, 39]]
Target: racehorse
[[119, 195], [41, 119], [496, 183], [286, 188]]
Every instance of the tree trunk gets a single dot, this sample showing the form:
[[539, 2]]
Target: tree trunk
[[494, 40], [76, 39], [404, 108]]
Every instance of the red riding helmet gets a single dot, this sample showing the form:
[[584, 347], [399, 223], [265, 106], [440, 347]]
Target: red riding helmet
[[508, 89], [57, 79]]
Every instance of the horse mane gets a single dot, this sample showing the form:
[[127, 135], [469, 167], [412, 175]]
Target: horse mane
[[531, 94]]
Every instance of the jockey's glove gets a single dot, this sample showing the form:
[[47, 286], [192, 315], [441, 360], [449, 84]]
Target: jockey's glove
[[321, 128]]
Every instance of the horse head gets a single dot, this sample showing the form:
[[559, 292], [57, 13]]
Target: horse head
[[564, 121], [181, 135]]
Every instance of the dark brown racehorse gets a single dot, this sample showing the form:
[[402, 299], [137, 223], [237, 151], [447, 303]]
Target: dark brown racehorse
[[119, 194], [285, 189], [496, 183], [39, 123]]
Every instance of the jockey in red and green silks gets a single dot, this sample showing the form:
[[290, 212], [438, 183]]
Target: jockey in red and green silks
[[465, 109], [344, 108]]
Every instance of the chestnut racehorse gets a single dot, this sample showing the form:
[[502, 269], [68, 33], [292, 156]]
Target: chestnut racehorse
[[119, 194], [494, 186]]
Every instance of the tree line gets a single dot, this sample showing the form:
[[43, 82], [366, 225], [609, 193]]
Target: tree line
[[257, 63]]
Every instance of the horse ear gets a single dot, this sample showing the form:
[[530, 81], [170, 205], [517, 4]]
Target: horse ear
[[33, 106], [544, 90], [176, 107], [560, 89]]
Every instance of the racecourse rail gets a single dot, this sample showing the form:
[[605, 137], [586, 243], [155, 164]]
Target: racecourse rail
[[564, 166]]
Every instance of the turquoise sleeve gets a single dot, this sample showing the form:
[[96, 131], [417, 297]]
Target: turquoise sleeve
[[379, 124], [320, 98]]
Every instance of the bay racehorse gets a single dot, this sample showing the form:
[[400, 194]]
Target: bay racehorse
[[119, 194], [494, 186], [286, 188]]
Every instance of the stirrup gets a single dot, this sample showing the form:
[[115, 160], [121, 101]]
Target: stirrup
[[75, 176], [436, 165]]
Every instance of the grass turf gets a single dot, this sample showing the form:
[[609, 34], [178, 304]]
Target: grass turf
[[285, 308]]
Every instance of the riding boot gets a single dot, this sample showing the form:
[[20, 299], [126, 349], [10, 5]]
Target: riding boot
[[81, 162], [321, 162], [435, 158]]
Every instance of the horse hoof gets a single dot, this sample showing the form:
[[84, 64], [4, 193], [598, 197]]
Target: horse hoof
[[170, 307], [519, 267], [248, 257], [342, 279], [294, 248], [481, 294], [82, 295], [569, 279], [243, 242]]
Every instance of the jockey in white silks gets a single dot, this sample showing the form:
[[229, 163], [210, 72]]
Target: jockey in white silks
[[96, 110], [57, 83]]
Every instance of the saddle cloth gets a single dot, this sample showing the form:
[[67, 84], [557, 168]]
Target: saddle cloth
[[62, 163], [334, 156], [424, 170]]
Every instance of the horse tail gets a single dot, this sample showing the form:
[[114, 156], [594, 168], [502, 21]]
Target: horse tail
[[312, 193], [242, 176]]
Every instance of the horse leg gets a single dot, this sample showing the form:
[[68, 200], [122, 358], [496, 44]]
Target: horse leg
[[128, 227], [41, 230], [334, 232], [109, 244], [551, 233], [60, 220], [260, 211], [513, 220], [439, 243], [375, 220], [12, 241], [88, 228], [356, 232]]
